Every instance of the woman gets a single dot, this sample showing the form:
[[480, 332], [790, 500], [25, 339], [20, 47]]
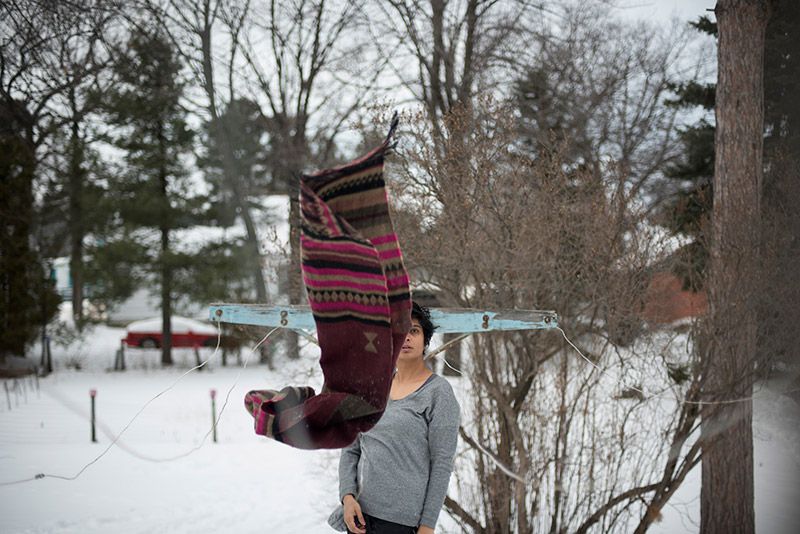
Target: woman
[[393, 479]]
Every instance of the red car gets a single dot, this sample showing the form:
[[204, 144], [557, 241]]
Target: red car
[[185, 333]]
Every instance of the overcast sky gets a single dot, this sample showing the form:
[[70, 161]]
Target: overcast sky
[[666, 9]]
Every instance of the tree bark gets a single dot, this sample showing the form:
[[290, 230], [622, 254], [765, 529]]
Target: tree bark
[[296, 294], [727, 466], [166, 268], [76, 229]]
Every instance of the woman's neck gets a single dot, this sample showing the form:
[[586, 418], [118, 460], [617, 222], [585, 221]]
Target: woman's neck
[[411, 371]]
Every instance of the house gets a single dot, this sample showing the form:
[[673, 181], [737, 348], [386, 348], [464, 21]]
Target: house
[[666, 301]]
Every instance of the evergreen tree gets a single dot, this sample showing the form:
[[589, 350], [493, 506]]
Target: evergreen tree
[[27, 297], [234, 167], [151, 196], [688, 211]]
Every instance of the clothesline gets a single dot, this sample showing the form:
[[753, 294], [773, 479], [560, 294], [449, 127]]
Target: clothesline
[[116, 440]]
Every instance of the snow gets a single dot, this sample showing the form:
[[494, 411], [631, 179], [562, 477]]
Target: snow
[[776, 455], [180, 325], [244, 483]]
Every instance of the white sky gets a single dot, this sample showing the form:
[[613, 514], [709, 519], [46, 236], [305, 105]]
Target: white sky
[[666, 9]]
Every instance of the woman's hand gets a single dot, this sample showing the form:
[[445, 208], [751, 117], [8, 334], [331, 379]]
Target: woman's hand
[[424, 529], [352, 513]]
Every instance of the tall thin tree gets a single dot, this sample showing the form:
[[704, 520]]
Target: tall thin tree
[[727, 468]]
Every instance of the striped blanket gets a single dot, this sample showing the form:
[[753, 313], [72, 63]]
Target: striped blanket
[[358, 292]]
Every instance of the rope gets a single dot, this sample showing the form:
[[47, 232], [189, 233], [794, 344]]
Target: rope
[[443, 347], [682, 401], [513, 475], [125, 428]]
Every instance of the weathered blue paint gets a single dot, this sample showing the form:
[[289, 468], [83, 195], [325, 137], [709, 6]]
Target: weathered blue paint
[[447, 320]]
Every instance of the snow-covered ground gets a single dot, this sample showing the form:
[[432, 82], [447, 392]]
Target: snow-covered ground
[[244, 483], [776, 455]]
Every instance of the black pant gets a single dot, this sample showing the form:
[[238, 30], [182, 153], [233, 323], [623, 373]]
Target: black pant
[[381, 526]]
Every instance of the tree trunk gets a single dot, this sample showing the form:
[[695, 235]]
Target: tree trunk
[[164, 263], [166, 300], [727, 465], [298, 155], [295, 274], [76, 229], [255, 251]]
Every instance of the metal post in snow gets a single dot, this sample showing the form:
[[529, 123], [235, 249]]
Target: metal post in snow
[[49, 366], [92, 395], [214, 414], [119, 359], [197, 360], [8, 395], [44, 347]]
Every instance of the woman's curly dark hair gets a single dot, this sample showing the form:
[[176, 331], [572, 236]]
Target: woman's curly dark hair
[[423, 315]]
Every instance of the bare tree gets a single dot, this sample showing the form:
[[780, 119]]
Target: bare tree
[[603, 97], [312, 74], [552, 443], [452, 49], [727, 501], [492, 223]]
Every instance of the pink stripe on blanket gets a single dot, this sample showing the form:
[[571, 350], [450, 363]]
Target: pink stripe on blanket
[[386, 254], [345, 272], [381, 239], [344, 305], [343, 283], [396, 281], [261, 423]]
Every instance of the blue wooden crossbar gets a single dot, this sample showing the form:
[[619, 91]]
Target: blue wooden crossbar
[[447, 320]]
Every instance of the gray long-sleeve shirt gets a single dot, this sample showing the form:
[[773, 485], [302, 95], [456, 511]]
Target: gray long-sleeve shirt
[[399, 470]]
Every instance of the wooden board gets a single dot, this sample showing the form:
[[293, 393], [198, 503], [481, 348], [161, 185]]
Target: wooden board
[[447, 320]]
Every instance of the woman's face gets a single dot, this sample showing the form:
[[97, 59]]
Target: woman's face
[[414, 344]]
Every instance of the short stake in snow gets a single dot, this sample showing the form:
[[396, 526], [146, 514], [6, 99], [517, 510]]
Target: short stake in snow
[[214, 414], [92, 395]]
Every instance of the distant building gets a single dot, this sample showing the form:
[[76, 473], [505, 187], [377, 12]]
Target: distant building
[[59, 271], [667, 302]]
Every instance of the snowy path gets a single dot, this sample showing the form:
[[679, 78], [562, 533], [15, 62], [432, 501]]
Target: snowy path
[[244, 483]]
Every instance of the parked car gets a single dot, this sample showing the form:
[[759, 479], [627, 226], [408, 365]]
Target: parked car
[[147, 333]]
